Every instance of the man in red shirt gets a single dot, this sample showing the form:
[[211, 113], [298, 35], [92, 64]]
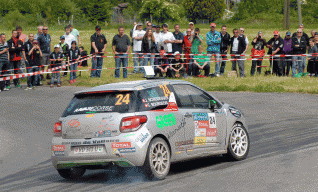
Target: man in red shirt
[[187, 43], [15, 48]]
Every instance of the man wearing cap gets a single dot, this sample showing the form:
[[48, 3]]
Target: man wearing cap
[[191, 26], [98, 47], [299, 47], [177, 45], [56, 58], [301, 26], [137, 39], [64, 48], [177, 66], [258, 52], [276, 45], [287, 50], [213, 40], [162, 65]]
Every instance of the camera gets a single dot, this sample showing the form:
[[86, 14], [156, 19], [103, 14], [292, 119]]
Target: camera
[[195, 34]]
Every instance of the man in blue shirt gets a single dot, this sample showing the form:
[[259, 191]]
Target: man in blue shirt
[[213, 40], [45, 45]]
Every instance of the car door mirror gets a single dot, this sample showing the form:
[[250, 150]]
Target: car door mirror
[[212, 104]]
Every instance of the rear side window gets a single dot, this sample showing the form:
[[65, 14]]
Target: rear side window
[[154, 98], [121, 102]]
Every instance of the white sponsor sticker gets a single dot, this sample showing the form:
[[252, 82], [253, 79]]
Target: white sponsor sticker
[[200, 132], [212, 120], [211, 139], [95, 108], [142, 137]]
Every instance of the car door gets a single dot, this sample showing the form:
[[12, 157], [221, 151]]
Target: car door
[[185, 106], [209, 126]]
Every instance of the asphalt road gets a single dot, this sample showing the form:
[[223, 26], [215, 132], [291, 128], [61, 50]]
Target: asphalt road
[[283, 153]]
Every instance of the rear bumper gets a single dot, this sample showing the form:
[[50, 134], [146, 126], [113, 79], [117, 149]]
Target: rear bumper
[[124, 150]]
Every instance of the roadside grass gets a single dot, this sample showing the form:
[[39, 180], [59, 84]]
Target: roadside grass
[[257, 83]]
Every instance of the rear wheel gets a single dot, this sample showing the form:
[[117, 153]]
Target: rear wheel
[[157, 163], [239, 143], [73, 173]]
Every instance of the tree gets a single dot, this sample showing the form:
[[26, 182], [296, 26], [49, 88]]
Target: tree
[[160, 11], [299, 11], [286, 14], [95, 10], [204, 9]]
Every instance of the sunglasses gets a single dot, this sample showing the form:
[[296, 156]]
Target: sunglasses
[[45, 29], [299, 32], [242, 30]]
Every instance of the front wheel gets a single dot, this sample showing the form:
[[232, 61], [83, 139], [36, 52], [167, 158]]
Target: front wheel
[[73, 173], [157, 163], [239, 143]]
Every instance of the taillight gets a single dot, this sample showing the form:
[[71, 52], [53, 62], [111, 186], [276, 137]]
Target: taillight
[[133, 123], [58, 129]]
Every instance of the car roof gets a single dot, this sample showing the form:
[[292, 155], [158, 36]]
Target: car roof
[[132, 85]]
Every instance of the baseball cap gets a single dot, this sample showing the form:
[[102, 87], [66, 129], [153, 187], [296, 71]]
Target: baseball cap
[[316, 33], [57, 46], [139, 24], [98, 27], [276, 32], [62, 37], [176, 53], [191, 23], [260, 32], [212, 25], [157, 26], [165, 25], [162, 52], [288, 33], [73, 42], [153, 26]]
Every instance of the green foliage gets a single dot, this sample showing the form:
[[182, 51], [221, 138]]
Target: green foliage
[[95, 10], [14, 18], [204, 9], [160, 10], [309, 12]]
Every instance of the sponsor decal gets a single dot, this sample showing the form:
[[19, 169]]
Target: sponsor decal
[[102, 133], [211, 132], [165, 120], [158, 103], [200, 132], [58, 147], [59, 153], [212, 120], [182, 124], [199, 140], [128, 135], [146, 105], [184, 147], [188, 142], [89, 115], [211, 140], [201, 124], [144, 101], [95, 108], [74, 123], [156, 99], [127, 150], [200, 116], [143, 138], [121, 145], [177, 153]]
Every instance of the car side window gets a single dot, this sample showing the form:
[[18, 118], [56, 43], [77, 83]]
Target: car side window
[[199, 98], [183, 97]]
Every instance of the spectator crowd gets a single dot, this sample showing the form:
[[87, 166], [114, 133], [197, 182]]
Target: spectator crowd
[[171, 54]]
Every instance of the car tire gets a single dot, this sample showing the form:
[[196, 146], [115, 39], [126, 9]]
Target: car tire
[[73, 173], [157, 163], [239, 143]]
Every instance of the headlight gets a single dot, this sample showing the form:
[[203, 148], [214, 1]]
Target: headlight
[[235, 112]]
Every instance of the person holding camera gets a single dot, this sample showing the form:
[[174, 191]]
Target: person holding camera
[[35, 55], [98, 47], [258, 52], [197, 40]]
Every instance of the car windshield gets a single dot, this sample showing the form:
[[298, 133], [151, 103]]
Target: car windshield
[[120, 102]]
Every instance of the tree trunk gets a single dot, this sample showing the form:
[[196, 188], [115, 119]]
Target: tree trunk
[[286, 14], [299, 11]]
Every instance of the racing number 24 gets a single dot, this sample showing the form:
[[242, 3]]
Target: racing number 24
[[165, 89], [122, 99]]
